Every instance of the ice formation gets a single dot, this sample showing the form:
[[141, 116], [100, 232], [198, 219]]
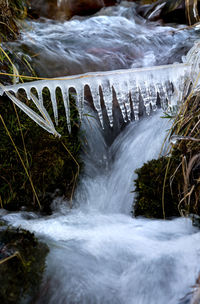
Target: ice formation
[[134, 88]]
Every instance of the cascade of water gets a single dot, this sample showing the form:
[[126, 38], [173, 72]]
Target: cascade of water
[[107, 177], [99, 254]]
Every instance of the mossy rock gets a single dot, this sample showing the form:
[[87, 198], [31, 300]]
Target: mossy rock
[[49, 160], [149, 188], [22, 263], [10, 11]]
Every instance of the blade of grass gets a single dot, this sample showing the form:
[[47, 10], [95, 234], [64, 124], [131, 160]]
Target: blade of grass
[[77, 173], [17, 151], [15, 71]]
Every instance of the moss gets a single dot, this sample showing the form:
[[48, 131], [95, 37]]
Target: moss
[[183, 194], [10, 12], [51, 167], [22, 263], [149, 187]]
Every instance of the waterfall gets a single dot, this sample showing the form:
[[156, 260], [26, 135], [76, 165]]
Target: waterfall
[[98, 252]]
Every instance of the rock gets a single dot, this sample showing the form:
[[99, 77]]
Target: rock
[[149, 187], [195, 220], [81, 7], [110, 2], [67, 8], [22, 263], [43, 8]]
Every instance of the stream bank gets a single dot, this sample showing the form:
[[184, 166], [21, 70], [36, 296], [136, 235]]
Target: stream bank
[[34, 168], [22, 264], [170, 186]]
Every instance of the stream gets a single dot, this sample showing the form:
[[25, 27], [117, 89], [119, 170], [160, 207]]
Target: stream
[[99, 253]]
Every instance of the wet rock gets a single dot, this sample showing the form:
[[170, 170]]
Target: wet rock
[[149, 187], [110, 2], [82, 7], [64, 9], [195, 220], [22, 262], [43, 8]]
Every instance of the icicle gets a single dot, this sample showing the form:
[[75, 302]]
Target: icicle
[[122, 97], [163, 95], [94, 89], [65, 94], [145, 96], [153, 97], [135, 97], [42, 110], [45, 123], [1, 91], [28, 94], [40, 96], [108, 99], [127, 104], [186, 87], [80, 99], [52, 91], [169, 89]]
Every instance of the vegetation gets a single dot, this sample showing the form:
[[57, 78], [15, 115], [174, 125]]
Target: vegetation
[[10, 13], [149, 187], [33, 164], [171, 185], [34, 167], [51, 162], [186, 133], [179, 10], [22, 263]]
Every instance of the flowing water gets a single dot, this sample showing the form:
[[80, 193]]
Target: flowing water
[[115, 38], [99, 253]]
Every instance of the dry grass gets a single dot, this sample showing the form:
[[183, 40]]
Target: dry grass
[[185, 135], [168, 6]]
